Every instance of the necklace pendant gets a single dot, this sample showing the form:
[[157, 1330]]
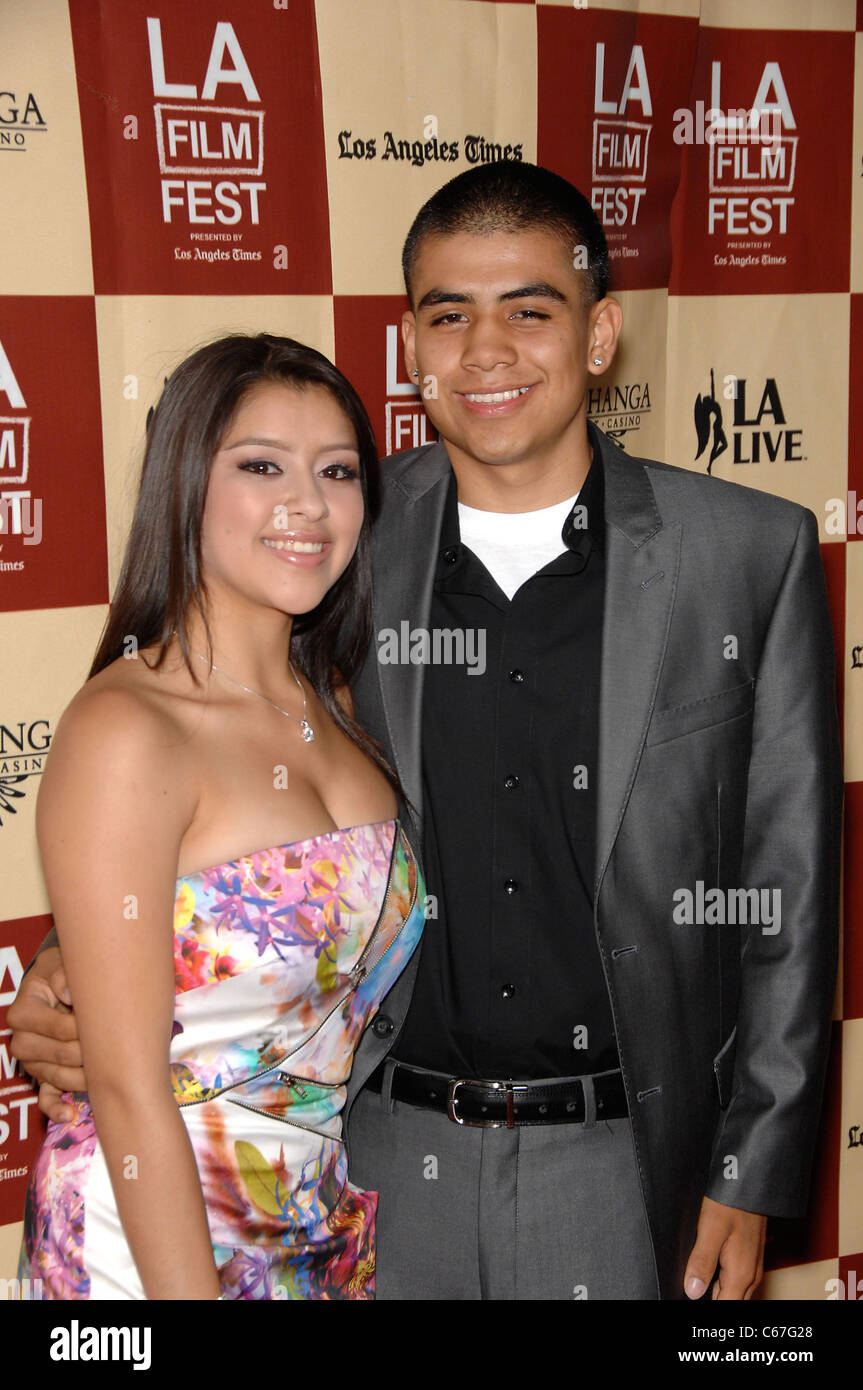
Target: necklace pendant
[[306, 730]]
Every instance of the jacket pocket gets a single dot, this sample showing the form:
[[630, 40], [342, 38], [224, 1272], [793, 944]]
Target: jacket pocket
[[701, 714], [723, 1067]]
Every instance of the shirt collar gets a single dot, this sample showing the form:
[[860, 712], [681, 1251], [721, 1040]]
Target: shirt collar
[[583, 529]]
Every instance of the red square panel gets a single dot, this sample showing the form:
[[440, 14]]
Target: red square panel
[[369, 352], [750, 216], [208, 120], [52, 492], [609, 84]]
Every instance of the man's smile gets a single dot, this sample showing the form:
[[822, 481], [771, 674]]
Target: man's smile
[[503, 401], [494, 397]]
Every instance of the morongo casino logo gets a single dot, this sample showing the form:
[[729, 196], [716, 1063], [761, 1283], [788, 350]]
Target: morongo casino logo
[[23, 749]]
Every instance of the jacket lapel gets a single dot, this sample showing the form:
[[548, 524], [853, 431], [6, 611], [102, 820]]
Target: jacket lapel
[[642, 559], [405, 565]]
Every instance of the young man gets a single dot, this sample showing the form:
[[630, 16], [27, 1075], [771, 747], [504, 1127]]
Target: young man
[[610, 1071]]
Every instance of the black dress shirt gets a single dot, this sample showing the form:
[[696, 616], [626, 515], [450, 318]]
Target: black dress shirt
[[510, 982]]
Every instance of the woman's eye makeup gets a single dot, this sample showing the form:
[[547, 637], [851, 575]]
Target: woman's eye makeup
[[345, 471], [266, 468], [262, 467]]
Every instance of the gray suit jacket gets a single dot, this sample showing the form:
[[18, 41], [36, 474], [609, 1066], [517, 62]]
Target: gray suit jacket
[[719, 764]]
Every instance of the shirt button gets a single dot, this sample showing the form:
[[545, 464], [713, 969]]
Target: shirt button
[[507, 991], [510, 886], [450, 555], [517, 677], [510, 782]]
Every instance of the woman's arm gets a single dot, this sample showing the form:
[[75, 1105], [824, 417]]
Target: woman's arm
[[115, 801]]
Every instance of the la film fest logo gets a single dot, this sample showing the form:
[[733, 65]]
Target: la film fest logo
[[24, 746], [407, 425], [20, 117], [753, 160], [20, 512], [211, 153], [620, 146], [760, 432]]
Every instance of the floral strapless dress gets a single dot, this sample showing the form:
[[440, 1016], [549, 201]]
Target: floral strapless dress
[[282, 958]]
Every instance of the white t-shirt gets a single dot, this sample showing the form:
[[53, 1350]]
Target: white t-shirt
[[514, 545]]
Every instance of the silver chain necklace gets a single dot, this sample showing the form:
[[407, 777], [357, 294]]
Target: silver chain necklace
[[306, 729]]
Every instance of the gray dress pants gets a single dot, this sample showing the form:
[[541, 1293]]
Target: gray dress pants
[[533, 1212]]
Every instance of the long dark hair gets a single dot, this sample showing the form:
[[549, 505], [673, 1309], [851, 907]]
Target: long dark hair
[[162, 573]]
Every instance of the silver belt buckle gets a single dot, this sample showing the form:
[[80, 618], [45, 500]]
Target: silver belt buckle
[[507, 1087]]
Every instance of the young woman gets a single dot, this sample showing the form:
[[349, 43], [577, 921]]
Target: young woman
[[231, 888]]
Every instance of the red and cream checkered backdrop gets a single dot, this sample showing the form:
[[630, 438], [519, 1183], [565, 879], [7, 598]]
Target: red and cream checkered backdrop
[[178, 169]]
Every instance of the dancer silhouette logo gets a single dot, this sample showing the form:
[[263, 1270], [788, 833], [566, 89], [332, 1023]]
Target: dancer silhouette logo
[[759, 433], [708, 416]]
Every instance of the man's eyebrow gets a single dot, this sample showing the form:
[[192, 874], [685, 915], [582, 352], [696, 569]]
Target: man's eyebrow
[[539, 289], [444, 297]]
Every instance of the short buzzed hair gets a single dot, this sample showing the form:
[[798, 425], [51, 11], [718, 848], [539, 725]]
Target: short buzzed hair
[[511, 196]]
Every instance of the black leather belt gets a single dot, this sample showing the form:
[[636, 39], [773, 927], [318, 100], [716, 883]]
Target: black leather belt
[[493, 1104]]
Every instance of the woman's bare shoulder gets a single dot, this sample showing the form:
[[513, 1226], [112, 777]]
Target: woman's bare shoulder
[[127, 716]]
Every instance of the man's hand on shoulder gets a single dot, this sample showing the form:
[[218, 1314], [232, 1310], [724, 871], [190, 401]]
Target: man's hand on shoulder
[[733, 1239], [45, 1033]]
